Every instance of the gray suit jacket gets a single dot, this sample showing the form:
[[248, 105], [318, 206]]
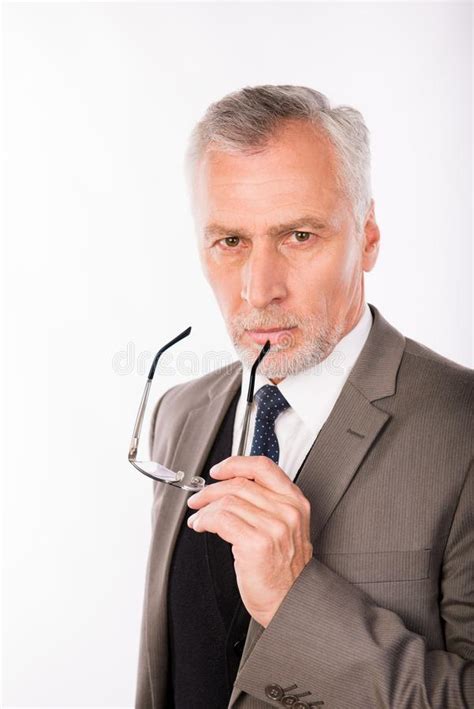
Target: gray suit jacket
[[383, 614]]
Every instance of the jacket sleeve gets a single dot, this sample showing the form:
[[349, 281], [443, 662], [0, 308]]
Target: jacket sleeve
[[333, 641]]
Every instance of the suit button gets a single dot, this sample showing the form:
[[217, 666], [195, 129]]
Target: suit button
[[289, 700], [301, 705], [274, 691]]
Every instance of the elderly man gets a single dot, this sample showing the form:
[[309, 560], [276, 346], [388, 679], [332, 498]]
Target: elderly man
[[332, 564]]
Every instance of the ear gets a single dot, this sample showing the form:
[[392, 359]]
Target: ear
[[370, 239]]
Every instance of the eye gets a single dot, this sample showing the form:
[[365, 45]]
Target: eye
[[230, 241], [302, 236]]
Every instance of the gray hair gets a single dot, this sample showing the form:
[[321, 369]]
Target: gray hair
[[244, 120]]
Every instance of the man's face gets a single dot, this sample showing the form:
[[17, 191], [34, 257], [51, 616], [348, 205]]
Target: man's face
[[279, 246]]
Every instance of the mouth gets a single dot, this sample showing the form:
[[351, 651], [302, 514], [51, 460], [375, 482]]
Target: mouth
[[261, 335]]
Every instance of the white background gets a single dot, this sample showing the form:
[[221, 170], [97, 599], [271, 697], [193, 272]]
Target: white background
[[101, 269]]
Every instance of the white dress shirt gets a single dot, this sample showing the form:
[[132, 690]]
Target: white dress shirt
[[311, 395]]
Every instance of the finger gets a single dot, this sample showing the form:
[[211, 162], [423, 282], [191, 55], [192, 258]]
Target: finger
[[256, 467], [215, 517], [247, 489], [227, 525]]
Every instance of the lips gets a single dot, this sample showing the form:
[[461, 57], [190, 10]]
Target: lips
[[261, 336]]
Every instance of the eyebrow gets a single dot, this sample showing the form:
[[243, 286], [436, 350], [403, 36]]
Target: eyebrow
[[310, 220]]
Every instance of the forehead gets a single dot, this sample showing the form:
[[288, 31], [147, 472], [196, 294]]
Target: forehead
[[296, 170]]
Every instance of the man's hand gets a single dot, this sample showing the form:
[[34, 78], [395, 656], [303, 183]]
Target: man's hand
[[265, 517]]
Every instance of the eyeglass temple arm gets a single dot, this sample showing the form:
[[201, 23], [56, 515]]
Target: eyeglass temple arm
[[248, 408], [141, 410]]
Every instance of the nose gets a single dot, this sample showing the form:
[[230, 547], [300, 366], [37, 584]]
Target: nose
[[263, 277]]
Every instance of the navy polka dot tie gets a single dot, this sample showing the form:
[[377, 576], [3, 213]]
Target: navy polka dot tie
[[270, 403]]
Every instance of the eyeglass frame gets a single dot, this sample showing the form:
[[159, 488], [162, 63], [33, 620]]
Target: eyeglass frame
[[196, 483]]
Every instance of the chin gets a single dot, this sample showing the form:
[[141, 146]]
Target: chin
[[278, 365]]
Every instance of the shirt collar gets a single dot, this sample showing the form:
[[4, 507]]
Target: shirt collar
[[325, 379]]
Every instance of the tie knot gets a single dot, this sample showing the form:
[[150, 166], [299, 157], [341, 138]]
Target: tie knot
[[270, 401]]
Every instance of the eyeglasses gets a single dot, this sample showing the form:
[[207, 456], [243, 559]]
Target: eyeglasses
[[159, 472]]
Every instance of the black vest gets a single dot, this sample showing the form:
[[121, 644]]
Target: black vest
[[207, 621]]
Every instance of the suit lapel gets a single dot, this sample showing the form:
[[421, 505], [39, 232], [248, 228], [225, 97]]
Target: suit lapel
[[201, 427], [346, 437], [337, 453]]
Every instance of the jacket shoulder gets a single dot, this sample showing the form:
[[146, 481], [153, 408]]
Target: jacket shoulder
[[437, 385], [437, 363]]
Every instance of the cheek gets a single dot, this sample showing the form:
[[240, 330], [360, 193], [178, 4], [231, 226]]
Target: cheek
[[332, 271], [210, 267], [351, 264], [225, 282], [344, 261]]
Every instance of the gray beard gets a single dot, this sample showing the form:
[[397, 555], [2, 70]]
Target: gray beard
[[283, 358]]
